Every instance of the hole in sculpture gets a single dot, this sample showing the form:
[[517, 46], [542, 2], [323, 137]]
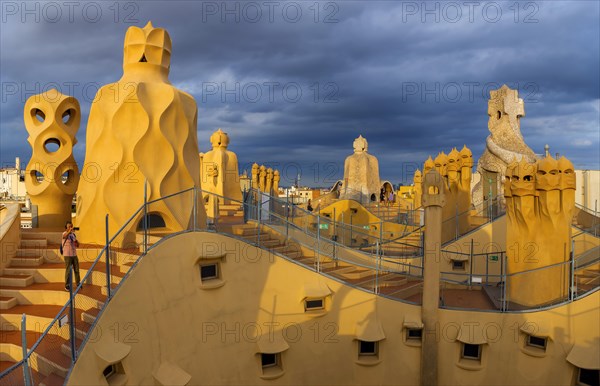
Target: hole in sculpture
[[154, 220], [68, 116], [373, 197], [36, 176], [67, 177], [499, 114], [39, 115], [143, 59], [51, 145]]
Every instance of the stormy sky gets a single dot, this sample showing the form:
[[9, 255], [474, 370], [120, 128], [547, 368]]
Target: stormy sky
[[293, 83]]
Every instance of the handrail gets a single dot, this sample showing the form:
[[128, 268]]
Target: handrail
[[334, 243], [373, 261], [588, 210]]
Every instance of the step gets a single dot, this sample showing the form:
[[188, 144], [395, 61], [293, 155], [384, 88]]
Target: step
[[52, 380], [343, 270], [16, 280], [29, 235], [65, 347], [281, 248], [327, 264], [395, 281], [291, 253], [52, 361], [587, 280], [55, 273], [54, 294], [230, 212], [244, 230], [52, 235], [270, 243], [47, 358], [33, 243], [230, 206], [357, 273], [264, 236], [408, 290], [26, 261], [7, 302], [89, 316], [30, 251]]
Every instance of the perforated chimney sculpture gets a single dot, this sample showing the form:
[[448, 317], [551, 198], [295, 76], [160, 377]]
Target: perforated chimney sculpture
[[51, 178]]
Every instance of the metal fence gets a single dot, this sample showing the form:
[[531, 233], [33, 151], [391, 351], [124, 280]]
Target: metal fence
[[319, 243]]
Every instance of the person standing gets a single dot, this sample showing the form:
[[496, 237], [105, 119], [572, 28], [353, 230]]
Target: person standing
[[70, 245]]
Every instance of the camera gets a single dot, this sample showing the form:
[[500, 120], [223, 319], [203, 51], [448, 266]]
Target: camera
[[75, 228]]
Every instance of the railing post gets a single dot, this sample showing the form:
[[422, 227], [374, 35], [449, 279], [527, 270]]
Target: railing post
[[471, 264], [72, 317], [573, 284], [318, 260], [333, 226], [376, 268], [195, 207], [26, 372], [287, 213], [259, 210], [504, 284], [380, 232], [456, 234], [343, 230], [217, 211], [107, 258], [350, 229], [487, 268], [244, 204], [145, 238]]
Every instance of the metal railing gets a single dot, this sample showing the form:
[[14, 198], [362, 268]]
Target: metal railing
[[566, 280], [587, 219], [458, 224], [301, 230]]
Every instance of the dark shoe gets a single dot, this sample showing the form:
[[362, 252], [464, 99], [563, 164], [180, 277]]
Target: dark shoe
[[67, 288]]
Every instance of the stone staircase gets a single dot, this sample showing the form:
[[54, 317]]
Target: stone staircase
[[231, 210], [586, 220], [407, 246], [588, 278], [33, 284], [384, 212], [396, 285]]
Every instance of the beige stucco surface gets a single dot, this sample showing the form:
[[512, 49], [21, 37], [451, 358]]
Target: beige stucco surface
[[10, 233], [165, 314], [141, 133]]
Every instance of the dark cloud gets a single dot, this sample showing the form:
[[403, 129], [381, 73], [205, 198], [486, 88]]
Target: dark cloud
[[297, 92]]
